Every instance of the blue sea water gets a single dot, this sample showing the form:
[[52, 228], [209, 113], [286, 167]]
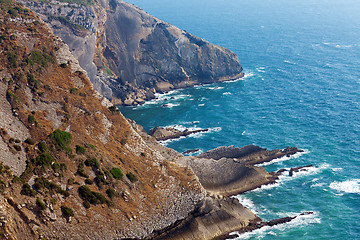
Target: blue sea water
[[302, 88]]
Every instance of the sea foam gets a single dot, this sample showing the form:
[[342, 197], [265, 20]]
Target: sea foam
[[348, 186], [300, 220]]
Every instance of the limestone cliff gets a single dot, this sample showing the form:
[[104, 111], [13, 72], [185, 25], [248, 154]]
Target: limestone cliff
[[129, 54]]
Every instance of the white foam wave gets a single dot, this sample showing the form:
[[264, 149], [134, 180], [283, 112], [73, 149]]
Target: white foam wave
[[348, 186], [201, 105], [246, 75], [318, 185], [267, 187], [171, 105], [247, 202], [284, 158], [337, 169], [260, 69], [198, 152], [287, 61], [227, 93], [215, 88], [301, 220]]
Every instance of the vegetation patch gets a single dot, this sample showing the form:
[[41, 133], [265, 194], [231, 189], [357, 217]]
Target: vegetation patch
[[17, 148], [62, 140], [12, 58], [59, 167], [29, 141], [92, 162], [42, 182], [131, 177], [90, 196], [43, 59], [42, 147], [80, 149], [43, 159], [116, 173], [27, 190], [81, 171], [67, 212], [74, 91], [111, 193], [40, 204]]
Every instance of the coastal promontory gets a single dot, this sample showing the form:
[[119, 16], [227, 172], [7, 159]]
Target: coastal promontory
[[128, 54]]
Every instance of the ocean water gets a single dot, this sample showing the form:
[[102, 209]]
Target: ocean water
[[302, 88]]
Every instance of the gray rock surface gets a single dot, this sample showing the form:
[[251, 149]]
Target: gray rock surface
[[129, 54]]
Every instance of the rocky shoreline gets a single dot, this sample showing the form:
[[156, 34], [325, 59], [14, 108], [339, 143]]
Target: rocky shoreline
[[223, 172]]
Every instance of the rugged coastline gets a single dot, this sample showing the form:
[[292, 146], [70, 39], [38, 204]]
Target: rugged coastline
[[77, 169]]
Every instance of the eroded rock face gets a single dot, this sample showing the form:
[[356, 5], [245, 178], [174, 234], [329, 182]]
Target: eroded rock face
[[130, 54]]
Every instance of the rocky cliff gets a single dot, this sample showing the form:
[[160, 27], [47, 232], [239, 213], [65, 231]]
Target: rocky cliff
[[129, 54], [72, 167]]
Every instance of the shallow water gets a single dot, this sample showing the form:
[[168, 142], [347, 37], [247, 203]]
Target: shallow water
[[302, 86]]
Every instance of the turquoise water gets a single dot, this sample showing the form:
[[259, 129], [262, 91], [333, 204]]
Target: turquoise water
[[302, 88]]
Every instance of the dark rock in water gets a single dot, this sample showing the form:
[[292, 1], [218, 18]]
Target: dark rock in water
[[259, 224], [250, 154], [162, 134], [215, 214], [191, 151], [281, 171], [298, 169], [231, 152]]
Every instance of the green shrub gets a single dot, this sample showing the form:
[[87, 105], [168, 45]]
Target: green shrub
[[63, 65], [27, 190], [40, 204], [116, 172], [59, 167], [13, 12], [111, 193], [131, 177], [62, 139], [12, 58], [17, 148], [74, 91], [86, 204], [31, 119], [44, 183], [92, 162], [43, 159], [123, 141], [142, 154], [11, 140], [42, 147], [29, 141], [40, 58], [67, 212], [87, 195], [81, 171], [113, 109], [80, 149], [89, 181], [10, 94]]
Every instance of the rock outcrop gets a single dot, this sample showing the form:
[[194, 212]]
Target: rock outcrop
[[163, 134], [129, 55]]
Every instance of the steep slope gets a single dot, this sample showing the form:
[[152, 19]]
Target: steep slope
[[130, 54], [81, 171]]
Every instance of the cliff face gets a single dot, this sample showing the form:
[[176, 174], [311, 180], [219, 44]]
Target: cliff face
[[76, 168], [130, 54]]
